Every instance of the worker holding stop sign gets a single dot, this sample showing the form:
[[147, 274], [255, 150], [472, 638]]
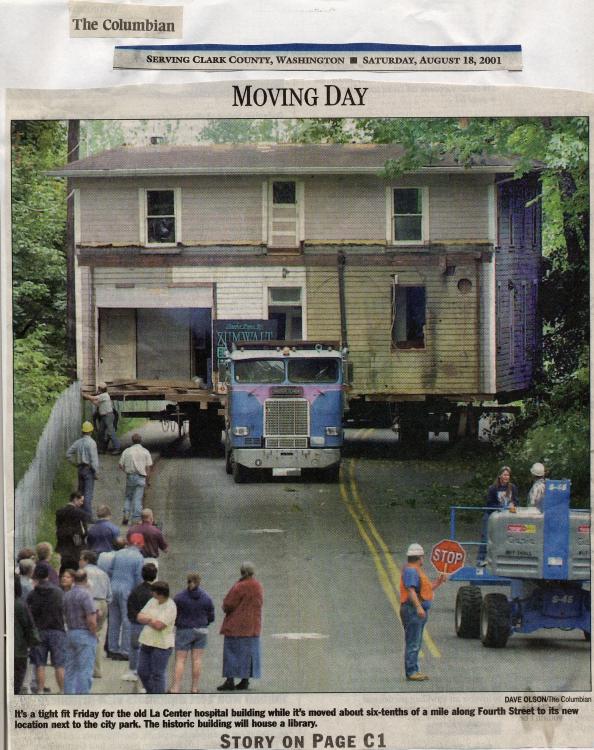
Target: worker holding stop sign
[[416, 596]]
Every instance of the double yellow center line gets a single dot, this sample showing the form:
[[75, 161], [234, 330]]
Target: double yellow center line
[[386, 568]]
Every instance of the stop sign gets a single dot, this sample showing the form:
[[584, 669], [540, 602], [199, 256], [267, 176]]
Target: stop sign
[[448, 556]]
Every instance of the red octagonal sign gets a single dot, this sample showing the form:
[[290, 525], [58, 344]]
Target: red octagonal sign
[[448, 556]]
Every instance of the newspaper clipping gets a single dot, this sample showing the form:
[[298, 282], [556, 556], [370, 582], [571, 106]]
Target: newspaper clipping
[[296, 375]]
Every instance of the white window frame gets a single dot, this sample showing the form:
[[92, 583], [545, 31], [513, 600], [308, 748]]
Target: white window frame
[[390, 215], [293, 285], [177, 202], [267, 209]]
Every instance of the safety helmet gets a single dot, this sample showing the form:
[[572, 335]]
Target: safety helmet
[[87, 427], [415, 550], [537, 470]]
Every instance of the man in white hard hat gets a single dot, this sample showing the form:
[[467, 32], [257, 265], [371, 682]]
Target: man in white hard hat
[[102, 400], [83, 453], [537, 491], [416, 595]]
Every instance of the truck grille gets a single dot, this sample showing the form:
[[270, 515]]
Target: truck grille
[[286, 418], [286, 442]]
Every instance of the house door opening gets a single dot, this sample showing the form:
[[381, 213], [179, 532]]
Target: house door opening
[[284, 306], [155, 343]]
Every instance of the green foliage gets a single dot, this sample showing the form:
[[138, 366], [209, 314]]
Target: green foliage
[[38, 230], [560, 441], [38, 377], [240, 131]]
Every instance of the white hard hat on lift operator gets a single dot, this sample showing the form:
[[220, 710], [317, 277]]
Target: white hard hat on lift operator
[[415, 550], [537, 470]]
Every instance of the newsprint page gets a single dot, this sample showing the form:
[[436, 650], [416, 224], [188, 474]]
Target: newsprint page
[[295, 313]]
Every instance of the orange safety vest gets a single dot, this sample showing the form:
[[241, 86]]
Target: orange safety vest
[[425, 593]]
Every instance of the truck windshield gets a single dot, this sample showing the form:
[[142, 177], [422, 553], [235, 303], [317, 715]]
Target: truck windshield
[[318, 370], [260, 371]]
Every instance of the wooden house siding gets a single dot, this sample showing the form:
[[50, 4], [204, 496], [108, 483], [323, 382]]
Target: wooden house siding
[[517, 277], [450, 361], [227, 210], [344, 208]]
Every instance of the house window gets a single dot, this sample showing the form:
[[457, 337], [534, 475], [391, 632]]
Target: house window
[[284, 193], [408, 317], [160, 217], [407, 215], [284, 306]]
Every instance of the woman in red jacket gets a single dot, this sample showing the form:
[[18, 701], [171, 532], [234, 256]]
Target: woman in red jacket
[[242, 627]]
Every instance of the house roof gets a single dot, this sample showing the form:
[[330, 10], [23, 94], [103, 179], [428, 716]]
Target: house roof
[[261, 158]]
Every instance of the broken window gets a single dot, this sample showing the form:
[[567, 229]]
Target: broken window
[[160, 217], [408, 215], [408, 317]]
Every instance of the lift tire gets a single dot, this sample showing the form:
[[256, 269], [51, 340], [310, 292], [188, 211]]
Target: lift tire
[[240, 473], [468, 612], [495, 623]]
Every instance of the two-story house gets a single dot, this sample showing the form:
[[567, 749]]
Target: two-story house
[[430, 279]]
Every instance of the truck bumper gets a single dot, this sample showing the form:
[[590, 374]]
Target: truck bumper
[[286, 458]]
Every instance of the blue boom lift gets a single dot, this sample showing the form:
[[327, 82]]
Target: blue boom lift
[[544, 558]]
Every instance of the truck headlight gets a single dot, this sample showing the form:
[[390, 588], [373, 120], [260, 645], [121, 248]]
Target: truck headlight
[[333, 431], [317, 442], [241, 431]]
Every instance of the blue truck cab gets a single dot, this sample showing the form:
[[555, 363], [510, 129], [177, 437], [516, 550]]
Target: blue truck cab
[[284, 411]]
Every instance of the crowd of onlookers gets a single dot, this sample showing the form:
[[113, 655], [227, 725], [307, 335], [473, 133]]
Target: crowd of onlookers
[[98, 595], [112, 605]]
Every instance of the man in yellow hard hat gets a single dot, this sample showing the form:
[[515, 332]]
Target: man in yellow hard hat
[[83, 453]]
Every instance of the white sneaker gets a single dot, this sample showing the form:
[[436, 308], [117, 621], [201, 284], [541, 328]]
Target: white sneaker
[[129, 676]]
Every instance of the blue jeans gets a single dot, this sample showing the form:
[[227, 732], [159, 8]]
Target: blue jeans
[[413, 636], [135, 631], [86, 485], [80, 660], [118, 629], [107, 433], [152, 664], [135, 484]]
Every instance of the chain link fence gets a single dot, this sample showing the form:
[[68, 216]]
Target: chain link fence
[[34, 490]]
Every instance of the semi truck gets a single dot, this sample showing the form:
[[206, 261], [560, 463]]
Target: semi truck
[[284, 408]]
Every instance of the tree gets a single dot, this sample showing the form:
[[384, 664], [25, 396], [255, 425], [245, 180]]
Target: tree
[[38, 231]]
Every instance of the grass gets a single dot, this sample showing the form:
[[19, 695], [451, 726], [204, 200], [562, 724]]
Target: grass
[[28, 427]]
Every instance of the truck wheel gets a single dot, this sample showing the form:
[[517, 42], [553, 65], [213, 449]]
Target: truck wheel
[[228, 461], [587, 635], [495, 620], [468, 612], [240, 473]]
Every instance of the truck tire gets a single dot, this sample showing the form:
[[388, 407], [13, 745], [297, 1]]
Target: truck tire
[[228, 461], [587, 635], [468, 612], [240, 473], [495, 620]]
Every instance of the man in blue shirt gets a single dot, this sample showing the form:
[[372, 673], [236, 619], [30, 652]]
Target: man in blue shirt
[[81, 639], [102, 535], [83, 453]]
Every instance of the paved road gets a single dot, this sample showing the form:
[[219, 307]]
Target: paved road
[[329, 558]]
